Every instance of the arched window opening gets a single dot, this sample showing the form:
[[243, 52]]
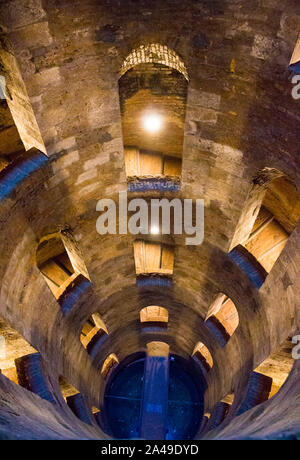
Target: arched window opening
[[91, 327], [95, 410], [79, 407], [226, 313], [33, 375], [258, 391], [267, 239], [295, 60], [218, 415], [153, 94], [19, 131], [228, 399], [110, 362], [203, 355], [12, 347], [3, 90], [75, 401], [158, 349], [59, 261], [154, 313], [278, 365], [17, 160], [154, 53], [151, 257], [11, 145], [66, 388], [271, 214]]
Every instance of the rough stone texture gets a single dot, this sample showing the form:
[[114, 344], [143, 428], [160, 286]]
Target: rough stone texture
[[266, 422], [36, 419], [240, 119]]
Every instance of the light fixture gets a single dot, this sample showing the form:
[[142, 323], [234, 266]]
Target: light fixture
[[154, 230], [152, 122]]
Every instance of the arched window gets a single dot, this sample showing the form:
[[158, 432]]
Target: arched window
[[79, 406], [22, 150], [270, 215], [229, 398], [154, 53], [154, 313], [267, 239], [153, 257], [158, 349], [66, 388], [95, 410], [203, 355], [11, 145], [91, 327], [295, 60], [17, 159], [59, 261], [278, 365], [12, 347], [153, 94], [3, 91], [226, 314], [110, 362], [19, 131]]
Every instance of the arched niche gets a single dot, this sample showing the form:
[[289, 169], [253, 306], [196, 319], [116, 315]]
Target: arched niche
[[154, 313], [156, 348], [60, 261], [22, 151], [153, 94], [224, 311], [110, 362], [202, 354], [154, 53], [95, 410], [229, 398], [270, 215], [19, 131], [91, 327], [66, 388], [295, 59], [278, 365], [12, 347]]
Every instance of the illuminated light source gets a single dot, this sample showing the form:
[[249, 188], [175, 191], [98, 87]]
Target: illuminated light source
[[154, 230], [152, 122]]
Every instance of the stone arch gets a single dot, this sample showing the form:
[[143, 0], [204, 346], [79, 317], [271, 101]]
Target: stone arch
[[60, 261], [203, 356], [154, 313], [66, 388], [153, 88], [13, 347], [223, 312], [156, 53], [18, 103], [109, 363], [156, 348], [278, 366], [94, 325], [270, 215]]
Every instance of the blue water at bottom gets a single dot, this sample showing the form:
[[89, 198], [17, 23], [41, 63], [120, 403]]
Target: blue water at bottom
[[122, 402]]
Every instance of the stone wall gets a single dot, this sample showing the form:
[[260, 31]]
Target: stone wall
[[240, 119]]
